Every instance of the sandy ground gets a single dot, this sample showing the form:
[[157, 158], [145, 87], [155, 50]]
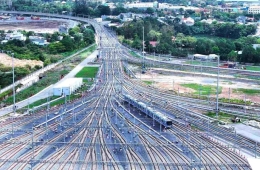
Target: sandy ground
[[46, 26], [174, 81], [7, 61]]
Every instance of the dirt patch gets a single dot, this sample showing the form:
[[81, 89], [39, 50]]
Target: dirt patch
[[176, 87], [173, 81], [7, 61], [233, 95], [42, 26]]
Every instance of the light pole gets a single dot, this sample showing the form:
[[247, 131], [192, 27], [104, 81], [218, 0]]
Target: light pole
[[12, 54], [143, 65], [217, 90]]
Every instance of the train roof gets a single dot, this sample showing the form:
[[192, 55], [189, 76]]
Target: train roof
[[159, 114]]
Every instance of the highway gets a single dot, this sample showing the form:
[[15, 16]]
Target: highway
[[103, 131]]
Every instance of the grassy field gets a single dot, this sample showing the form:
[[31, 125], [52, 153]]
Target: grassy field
[[221, 116], [51, 77], [88, 51], [148, 82], [89, 72], [253, 68], [134, 54], [247, 91], [40, 102], [202, 89], [62, 100]]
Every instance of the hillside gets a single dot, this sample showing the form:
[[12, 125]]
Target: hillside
[[7, 61]]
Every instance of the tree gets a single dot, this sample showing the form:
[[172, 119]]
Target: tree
[[119, 10], [204, 46], [225, 46], [215, 50], [88, 35], [249, 55], [181, 10], [137, 43], [149, 10], [68, 43], [232, 56], [154, 35], [103, 10]]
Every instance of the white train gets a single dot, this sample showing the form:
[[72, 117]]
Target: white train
[[158, 116]]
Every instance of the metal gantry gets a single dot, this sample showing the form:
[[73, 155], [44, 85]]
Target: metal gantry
[[100, 131]]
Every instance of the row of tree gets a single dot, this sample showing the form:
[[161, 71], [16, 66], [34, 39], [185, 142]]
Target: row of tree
[[38, 6], [179, 44], [226, 30]]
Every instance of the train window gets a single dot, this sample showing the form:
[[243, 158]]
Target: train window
[[169, 122]]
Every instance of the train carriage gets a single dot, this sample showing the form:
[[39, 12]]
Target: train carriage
[[153, 113]]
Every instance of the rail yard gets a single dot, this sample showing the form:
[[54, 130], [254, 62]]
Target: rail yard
[[122, 123]]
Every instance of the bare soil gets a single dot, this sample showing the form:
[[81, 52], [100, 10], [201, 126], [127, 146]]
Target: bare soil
[[174, 81], [41, 26], [7, 61]]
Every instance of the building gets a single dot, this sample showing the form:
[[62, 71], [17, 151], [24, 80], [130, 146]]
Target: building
[[153, 43], [63, 29], [111, 5], [205, 57], [142, 5], [67, 87], [241, 19], [208, 21], [254, 10], [247, 1], [4, 41], [188, 21], [98, 19], [15, 36], [38, 40], [126, 16], [230, 10], [255, 46], [173, 7]]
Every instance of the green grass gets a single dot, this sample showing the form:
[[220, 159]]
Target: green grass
[[51, 77], [235, 101], [88, 51], [89, 72], [148, 82], [224, 117], [40, 102], [134, 54], [204, 89], [253, 68], [62, 100], [247, 91], [4, 94], [221, 116], [66, 54]]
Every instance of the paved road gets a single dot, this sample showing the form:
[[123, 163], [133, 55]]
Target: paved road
[[48, 91]]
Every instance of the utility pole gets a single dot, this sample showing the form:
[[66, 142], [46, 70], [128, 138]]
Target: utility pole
[[143, 65], [14, 107], [217, 90]]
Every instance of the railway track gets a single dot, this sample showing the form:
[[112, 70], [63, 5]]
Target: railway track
[[98, 132]]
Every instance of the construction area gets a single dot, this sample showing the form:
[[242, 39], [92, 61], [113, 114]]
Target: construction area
[[43, 25], [7, 61]]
